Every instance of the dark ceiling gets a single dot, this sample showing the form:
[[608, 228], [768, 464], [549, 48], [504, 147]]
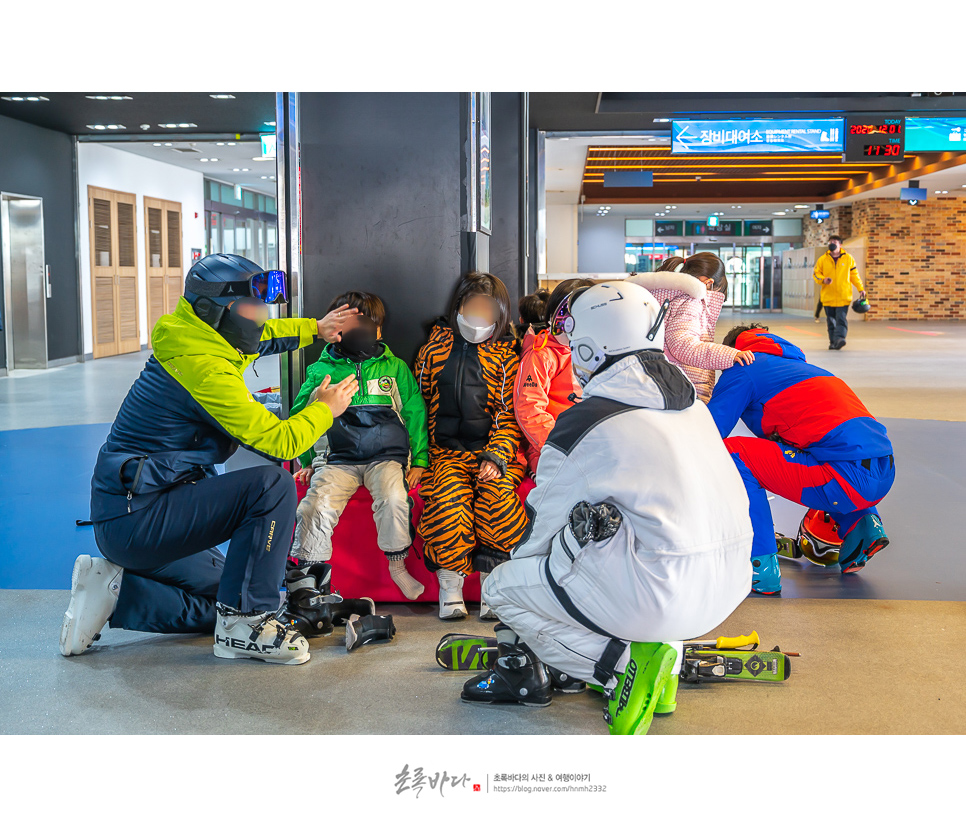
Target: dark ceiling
[[637, 111], [72, 112]]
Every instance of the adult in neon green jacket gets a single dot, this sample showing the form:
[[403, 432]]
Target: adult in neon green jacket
[[836, 273], [157, 504]]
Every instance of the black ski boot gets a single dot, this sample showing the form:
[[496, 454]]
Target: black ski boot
[[518, 677], [308, 606], [564, 683]]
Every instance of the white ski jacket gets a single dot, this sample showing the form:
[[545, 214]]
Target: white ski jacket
[[639, 439]]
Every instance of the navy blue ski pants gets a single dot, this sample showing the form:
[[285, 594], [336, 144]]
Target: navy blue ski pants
[[172, 572]]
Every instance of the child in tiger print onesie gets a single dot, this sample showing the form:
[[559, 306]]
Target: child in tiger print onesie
[[466, 371]]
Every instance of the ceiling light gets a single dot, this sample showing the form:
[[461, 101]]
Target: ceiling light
[[170, 125], [213, 159], [945, 192], [801, 206], [220, 95], [219, 143], [106, 127], [231, 144], [246, 169], [667, 207], [167, 144], [236, 169], [270, 124], [938, 192], [203, 159], [25, 98], [157, 144], [673, 206], [271, 178], [264, 178], [109, 98], [662, 120], [779, 213]]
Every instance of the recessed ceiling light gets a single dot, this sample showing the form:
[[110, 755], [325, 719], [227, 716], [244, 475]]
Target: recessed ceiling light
[[157, 144], [270, 124], [236, 169], [220, 95], [231, 144], [780, 213], [106, 127], [109, 98], [167, 144], [662, 120], [203, 159], [213, 159], [271, 178], [264, 178], [938, 192], [246, 169], [25, 98], [667, 207], [219, 143], [170, 125], [800, 206]]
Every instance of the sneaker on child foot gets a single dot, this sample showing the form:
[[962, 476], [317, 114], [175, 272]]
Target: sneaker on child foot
[[259, 636], [451, 605], [486, 613], [94, 586]]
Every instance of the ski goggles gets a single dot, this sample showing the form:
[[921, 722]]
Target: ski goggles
[[269, 286], [561, 323]]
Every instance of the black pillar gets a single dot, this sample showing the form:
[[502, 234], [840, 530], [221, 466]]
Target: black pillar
[[381, 205]]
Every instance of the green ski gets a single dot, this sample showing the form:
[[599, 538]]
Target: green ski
[[465, 652], [766, 667]]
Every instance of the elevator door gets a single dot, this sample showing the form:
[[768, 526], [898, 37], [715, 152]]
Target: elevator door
[[24, 281]]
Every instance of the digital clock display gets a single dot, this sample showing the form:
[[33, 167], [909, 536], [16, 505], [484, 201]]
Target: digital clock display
[[873, 137], [882, 150]]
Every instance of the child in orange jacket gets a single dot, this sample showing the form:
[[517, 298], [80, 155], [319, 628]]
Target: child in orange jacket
[[545, 385]]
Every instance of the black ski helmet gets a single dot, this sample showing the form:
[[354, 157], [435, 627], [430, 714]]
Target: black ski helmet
[[860, 305]]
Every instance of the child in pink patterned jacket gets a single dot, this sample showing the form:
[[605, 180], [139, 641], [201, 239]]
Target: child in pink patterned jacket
[[696, 287]]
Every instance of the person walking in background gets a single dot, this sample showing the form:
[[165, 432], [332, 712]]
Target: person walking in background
[[837, 273]]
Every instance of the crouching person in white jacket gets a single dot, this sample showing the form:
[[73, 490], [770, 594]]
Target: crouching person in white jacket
[[639, 532]]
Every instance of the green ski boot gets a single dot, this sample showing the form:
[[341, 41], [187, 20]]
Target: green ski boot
[[668, 701], [631, 704]]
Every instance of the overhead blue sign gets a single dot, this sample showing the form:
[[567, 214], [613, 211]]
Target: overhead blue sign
[[712, 220], [757, 136], [931, 134], [820, 214], [628, 179]]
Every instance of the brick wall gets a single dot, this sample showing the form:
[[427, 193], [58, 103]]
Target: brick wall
[[915, 256], [838, 223]]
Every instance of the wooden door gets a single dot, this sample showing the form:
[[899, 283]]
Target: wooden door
[[114, 282], [165, 275]]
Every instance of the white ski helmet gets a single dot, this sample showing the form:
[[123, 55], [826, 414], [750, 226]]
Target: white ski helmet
[[611, 319]]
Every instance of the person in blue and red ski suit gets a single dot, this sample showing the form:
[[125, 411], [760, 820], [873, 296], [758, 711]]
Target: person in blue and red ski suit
[[815, 444]]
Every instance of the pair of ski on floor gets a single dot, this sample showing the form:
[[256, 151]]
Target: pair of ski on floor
[[726, 657]]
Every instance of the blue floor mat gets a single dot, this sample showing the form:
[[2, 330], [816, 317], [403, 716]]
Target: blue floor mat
[[45, 486]]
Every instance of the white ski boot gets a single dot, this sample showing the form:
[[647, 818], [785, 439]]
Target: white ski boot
[[94, 586], [258, 636], [451, 605], [486, 613]]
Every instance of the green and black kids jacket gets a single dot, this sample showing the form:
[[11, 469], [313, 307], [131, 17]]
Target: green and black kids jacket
[[386, 419], [190, 409]]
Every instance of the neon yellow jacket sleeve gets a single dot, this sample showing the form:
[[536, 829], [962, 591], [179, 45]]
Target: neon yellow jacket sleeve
[[223, 395], [281, 335]]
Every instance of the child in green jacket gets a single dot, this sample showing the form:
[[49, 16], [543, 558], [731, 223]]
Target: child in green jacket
[[379, 441]]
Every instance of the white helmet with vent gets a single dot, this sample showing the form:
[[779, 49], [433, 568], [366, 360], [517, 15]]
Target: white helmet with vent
[[611, 319]]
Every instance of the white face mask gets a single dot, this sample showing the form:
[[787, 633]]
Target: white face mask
[[474, 329]]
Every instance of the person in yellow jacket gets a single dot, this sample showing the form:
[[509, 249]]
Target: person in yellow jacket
[[158, 506], [836, 273]]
